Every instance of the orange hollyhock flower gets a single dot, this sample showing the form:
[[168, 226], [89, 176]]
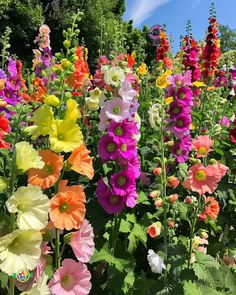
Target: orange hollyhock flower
[[81, 162], [67, 210], [78, 189], [211, 209], [49, 174]]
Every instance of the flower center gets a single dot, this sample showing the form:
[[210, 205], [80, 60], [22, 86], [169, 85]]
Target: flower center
[[67, 282], [180, 123], [200, 175], [96, 92], [176, 110], [123, 147], [181, 95], [114, 199], [121, 180], [48, 169], [116, 110], [64, 207], [119, 131], [111, 147], [202, 150], [178, 152], [178, 82], [60, 136], [115, 78]]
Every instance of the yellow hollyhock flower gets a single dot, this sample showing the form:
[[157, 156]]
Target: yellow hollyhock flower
[[72, 110], [161, 81], [20, 250], [199, 84], [32, 207], [42, 119], [169, 99], [52, 100], [65, 136], [27, 157], [133, 54], [142, 69]]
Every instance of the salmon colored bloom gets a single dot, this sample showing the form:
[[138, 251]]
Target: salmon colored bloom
[[172, 198], [203, 145], [81, 162], [67, 210], [172, 181], [211, 209], [78, 189], [49, 174], [202, 179], [154, 229], [157, 171]]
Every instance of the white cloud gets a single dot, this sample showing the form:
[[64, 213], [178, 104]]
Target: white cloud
[[140, 10]]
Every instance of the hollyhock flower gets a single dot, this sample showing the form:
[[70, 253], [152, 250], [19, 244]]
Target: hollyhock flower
[[32, 207], [154, 116], [107, 148], [127, 92], [4, 125], [172, 181], [142, 69], [163, 81], [45, 250], [156, 262], [157, 171], [103, 60], [20, 250], [211, 209], [182, 148], [110, 202], [178, 107], [24, 150], [154, 194], [72, 110], [224, 122], [181, 80], [114, 76], [232, 135], [11, 68], [72, 278], [123, 182], [49, 174], [116, 109], [127, 150], [202, 179], [82, 242], [131, 199], [172, 198], [104, 122], [132, 164], [222, 168], [39, 288], [123, 131], [185, 94], [81, 162], [203, 145], [181, 124], [65, 136], [67, 210], [3, 143], [158, 202], [154, 229], [78, 189]]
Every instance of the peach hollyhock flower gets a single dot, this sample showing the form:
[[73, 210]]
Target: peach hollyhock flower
[[78, 189], [154, 194], [203, 145], [154, 229], [68, 209], [172, 181], [81, 162], [211, 209], [202, 179], [49, 174], [157, 171], [172, 198], [158, 202]]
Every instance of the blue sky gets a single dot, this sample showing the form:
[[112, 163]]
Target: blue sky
[[175, 13]]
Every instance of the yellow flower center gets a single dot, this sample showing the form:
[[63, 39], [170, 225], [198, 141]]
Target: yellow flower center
[[111, 147], [179, 152], [114, 199], [115, 78], [48, 169], [202, 150], [121, 180], [118, 131], [200, 175], [178, 83], [60, 136]]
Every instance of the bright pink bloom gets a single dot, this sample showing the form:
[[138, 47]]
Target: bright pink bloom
[[203, 145], [202, 179], [72, 278], [82, 242]]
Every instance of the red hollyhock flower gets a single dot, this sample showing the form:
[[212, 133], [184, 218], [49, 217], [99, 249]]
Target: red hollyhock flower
[[232, 135], [4, 125]]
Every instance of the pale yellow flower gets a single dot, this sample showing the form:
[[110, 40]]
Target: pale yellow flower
[[3, 184], [39, 288], [52, 100]]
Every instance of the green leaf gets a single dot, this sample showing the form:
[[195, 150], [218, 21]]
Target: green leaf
[[131, 218], [190, 288], [125, 226], [208, 290], [3, 280], [140, 233], [49, 271], [143, 199], [132, 243], [206, 260], [128, 282]]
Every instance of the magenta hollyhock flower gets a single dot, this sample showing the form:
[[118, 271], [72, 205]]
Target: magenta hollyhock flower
[[178, 107], [107, 148], [224, 122], [82, 242], [181, 149], [181, 80], [185, 94], [127, 149], [103, 60], [116, 109], [132, 164], [123, 182], [11, 68], [131, 199], [127, 92], [181, 124], [123, 131], [110, 202], [72, 278]]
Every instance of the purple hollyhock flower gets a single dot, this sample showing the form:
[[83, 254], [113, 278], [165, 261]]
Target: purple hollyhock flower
[[127, 149], [181, 80], [182, 148], [225, 122], [123, 131], [178, 107], [123, 182], [181, 124], [132, 164], [131, 199], [3, 75], [9, 95], [107, 148], [185, 95], [116, 109], [12, 70], [110, 202]]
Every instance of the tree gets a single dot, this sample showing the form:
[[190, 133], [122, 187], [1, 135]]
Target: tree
[[227, 38]]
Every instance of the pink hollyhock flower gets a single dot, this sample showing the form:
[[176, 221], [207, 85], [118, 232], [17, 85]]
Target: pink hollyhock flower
[[225, 122], [127, 92], [72, 278], [104, 122], [203, 145], [45, 249], [123, 182], [123, 131], [103, 60], [128, 149], [181, 80], [131, 164], [107, 148], [131, 199], [110, 202], [82, 242], [222, 168], [202, 179], [116, 109], [181, 124]]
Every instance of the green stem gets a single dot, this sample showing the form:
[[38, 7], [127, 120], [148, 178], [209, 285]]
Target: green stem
[[116, 231], [192, 231], [57, 249], [12, 286]]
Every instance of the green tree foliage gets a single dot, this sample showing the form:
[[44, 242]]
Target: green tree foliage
[[227, 38]]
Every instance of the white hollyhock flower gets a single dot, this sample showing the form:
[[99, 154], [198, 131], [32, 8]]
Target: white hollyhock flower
[[114, 76], [155, 261], [40, 288]]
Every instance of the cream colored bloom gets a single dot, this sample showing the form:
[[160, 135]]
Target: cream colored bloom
[[92, 103], [3, 185], [27, 157], [31, 205], [114, 76], [39, 288], [20, 250], [154, 117]]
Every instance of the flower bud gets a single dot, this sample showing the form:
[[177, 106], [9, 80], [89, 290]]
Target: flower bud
[[154, 229], [155, 194], [170, 223], [157, 171], [172, 198], [158, 202]]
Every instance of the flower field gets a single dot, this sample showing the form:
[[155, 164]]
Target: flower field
[[119, 179]]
